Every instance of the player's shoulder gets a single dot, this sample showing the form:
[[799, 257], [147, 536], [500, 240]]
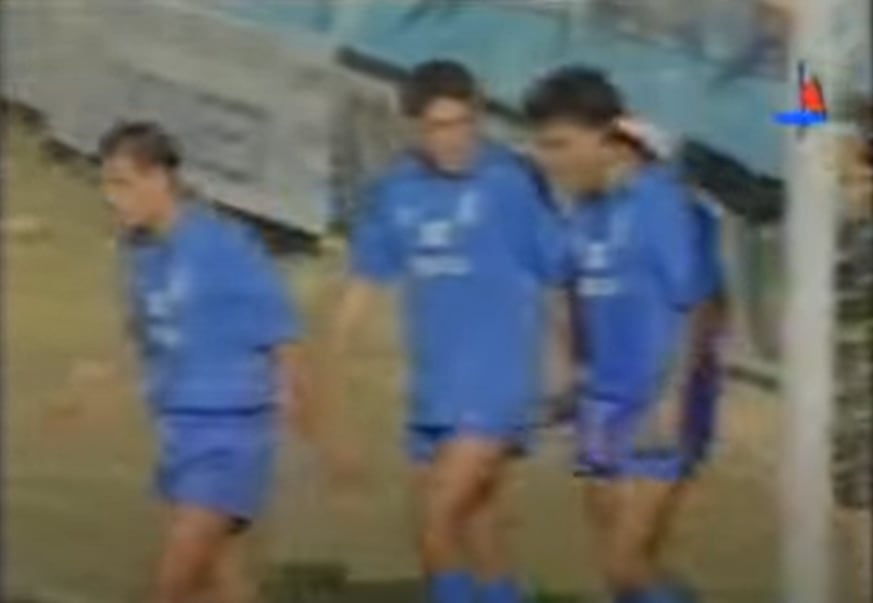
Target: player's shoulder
[[506, 160], [513, 169], [399, 178], [660, 178], [217, 235], [661, 188], [405, 167], [706, 210]]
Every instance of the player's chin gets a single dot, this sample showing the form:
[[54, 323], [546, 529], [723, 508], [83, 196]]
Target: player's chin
[[130, 224], [567, 185]]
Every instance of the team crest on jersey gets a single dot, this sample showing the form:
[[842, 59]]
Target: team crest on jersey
[[596, 256], [179, 286], [435, 234], [468, 208], [162, 308], [157, 304]]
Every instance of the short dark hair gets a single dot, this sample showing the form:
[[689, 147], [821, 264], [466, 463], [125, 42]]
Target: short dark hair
[[579, 94], [434, 80], [147, 143]]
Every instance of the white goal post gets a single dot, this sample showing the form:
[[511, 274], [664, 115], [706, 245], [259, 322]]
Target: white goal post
[[808, 328]]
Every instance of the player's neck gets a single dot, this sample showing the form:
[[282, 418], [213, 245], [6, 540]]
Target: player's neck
[[166, 219], [617, 173], [457, 169]]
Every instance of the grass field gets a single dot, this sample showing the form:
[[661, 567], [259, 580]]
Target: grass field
[[80, 526]]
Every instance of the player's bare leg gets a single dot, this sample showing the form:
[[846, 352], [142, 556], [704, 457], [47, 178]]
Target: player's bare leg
[[487, 530], [194, 541], [601, 501], [421, 479], [663, 528], [459, 476], [231, 581], [641, 515]]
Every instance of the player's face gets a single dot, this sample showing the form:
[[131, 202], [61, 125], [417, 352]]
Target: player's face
[[574, 157], [135, 192], [448, 133]]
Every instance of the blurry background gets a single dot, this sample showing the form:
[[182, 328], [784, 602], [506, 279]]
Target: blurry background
[[285, 108]]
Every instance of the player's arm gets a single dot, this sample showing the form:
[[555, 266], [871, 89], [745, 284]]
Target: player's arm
[[561, 360], [542, 241], [266, 318], [672, 247], [375, 262], [672, 242], [356, 301], [539, 229], [295, 389], [709, 320]]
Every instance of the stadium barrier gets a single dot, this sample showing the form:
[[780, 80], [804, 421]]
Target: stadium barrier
[[255, 117]]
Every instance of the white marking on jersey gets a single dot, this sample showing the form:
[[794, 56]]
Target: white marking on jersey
[[435, 234], [179, 286], [440, 265], [596, 255], [157, 304], [468, 208], [597, 286]]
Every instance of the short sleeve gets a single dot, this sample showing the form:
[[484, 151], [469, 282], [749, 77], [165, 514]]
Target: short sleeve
[[540, 230], [374, 251], [258, 309], [672, 240]]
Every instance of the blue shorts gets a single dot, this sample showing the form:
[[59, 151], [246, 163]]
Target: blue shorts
[[619, 440], [423, 441], [222, 463]]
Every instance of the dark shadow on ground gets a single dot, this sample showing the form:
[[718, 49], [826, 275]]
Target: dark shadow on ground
[[328, 583]]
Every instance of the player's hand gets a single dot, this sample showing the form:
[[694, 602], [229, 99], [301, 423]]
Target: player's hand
[[292, 414], [68, 408]]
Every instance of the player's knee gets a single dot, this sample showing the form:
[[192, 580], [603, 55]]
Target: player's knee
[[454, 501]]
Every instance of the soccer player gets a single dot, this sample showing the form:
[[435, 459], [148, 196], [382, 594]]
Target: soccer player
[[222, 360], [459, 224], [646, 285]]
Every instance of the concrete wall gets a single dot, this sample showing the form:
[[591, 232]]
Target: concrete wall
[[255, 117]]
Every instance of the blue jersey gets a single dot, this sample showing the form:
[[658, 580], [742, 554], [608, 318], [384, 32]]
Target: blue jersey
[[470, 253], [642, 256], [710, 271], [207, 309]]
